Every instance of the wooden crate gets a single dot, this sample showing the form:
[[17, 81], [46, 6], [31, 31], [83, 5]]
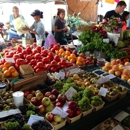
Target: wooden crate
[[30, 82]]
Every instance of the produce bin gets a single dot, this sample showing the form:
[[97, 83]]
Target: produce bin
[[99, 107], [88, 112], [110, 98]]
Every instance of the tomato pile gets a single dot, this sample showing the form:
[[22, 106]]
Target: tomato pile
[[38, 57]]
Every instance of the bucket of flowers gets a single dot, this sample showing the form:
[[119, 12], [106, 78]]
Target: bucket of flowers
[[113, 26]]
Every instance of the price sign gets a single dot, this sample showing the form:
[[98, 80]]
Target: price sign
[[118, 127], [70, 92], [122, 115], [60, 75], [65, 106], [111, 76], [59, 112], [102, 80], [34, 118], [103, 92], [127, 67], [9, 60]]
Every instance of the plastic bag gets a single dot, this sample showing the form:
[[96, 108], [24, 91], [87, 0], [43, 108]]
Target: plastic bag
[[19, 23], [2, 41], [50, 40]]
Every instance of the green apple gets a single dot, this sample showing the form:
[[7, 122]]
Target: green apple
[[57, 118], [49, 108]]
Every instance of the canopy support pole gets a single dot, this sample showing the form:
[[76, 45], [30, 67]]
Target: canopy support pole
[[69, 22]]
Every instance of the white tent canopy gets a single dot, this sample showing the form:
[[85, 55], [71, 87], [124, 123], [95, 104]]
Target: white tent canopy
[[29, 1]]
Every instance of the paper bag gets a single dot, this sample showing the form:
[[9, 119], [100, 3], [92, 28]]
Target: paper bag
[[19, 23]]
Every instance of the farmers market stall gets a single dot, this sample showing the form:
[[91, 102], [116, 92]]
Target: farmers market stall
[[67, 88]]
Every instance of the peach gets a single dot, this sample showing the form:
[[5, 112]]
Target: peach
[[108, 64], [115, 67], [104, 68], [127, 63], [125, 72], [128, 80], [124, 77], [118, 73], [111, 71], [118, 61], [113, 62]]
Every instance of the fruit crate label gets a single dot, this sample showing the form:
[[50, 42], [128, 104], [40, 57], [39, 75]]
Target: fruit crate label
[[34, 118], [127, 67], [122, 115], [9, 113], [103, 92], [59, 112], [65, 106], [70, 92], [9, 60], [102, 80], [118, 127], [60, 75]]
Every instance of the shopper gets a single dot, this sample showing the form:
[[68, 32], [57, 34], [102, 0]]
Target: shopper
[[60, 28], [125, 17], [121, 5], [38, 27], [12, 32]]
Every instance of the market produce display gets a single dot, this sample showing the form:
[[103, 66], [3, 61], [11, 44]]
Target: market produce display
[[119, 68]]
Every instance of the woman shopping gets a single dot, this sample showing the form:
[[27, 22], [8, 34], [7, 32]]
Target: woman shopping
[[10, 25], [37, 28], [59, 28]]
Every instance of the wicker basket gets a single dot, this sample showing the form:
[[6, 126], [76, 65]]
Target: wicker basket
[[99, 107]]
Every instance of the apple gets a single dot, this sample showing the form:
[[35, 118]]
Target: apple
[[81, 55], [59, 104], [41, 109], [57, 118], [77, 111], [29, 96], [72, 105], [54, 123], [47, 94], [37, 91], [49, 108], [70, 113], [55, 92], [49, 116], [68, 49], [33, 92], [62, 98], [26, 93], [39, 96], [52, 97], [34, 100], [74, 52], [46, 101], [126, 59]]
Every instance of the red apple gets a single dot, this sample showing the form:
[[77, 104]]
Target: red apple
[[29, 96], [39, 96], [33, 92], [55, 92], [77, 111], [41, 109], [49, 116], [26, 93], [52, 97], [37, 91], [59, 104], [81, 54], [47, 94], [33, 100], [70, 113], [74, 52], [62, 98], [72, 105]]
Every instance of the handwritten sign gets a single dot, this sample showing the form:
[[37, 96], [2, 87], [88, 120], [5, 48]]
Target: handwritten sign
[[60, 75], [59, 112], [103, 92], [102, 80], [70, 92], [34, 118], [9, 60]]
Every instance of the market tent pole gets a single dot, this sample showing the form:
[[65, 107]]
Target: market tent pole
[[69, 22]]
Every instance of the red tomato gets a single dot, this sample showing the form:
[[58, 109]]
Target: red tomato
[[39, 60], [53, 62], [38, 70], [38, 48], [16, 56], [16, 66], [50, 54], [53, 69], [48, 66], [11, 54], [37, 56], [44, 53], [63, 61], [34, 44], [35, 51], [20, 61], [39, 64], [29, 50], [33, 62], [42, 48], [24, 52], [63, 66], [45, 60], [56, 58], [19, 49], [28, 57]]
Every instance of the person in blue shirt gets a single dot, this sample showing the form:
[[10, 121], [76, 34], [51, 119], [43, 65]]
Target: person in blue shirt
[[38, 27], [12, 32]]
